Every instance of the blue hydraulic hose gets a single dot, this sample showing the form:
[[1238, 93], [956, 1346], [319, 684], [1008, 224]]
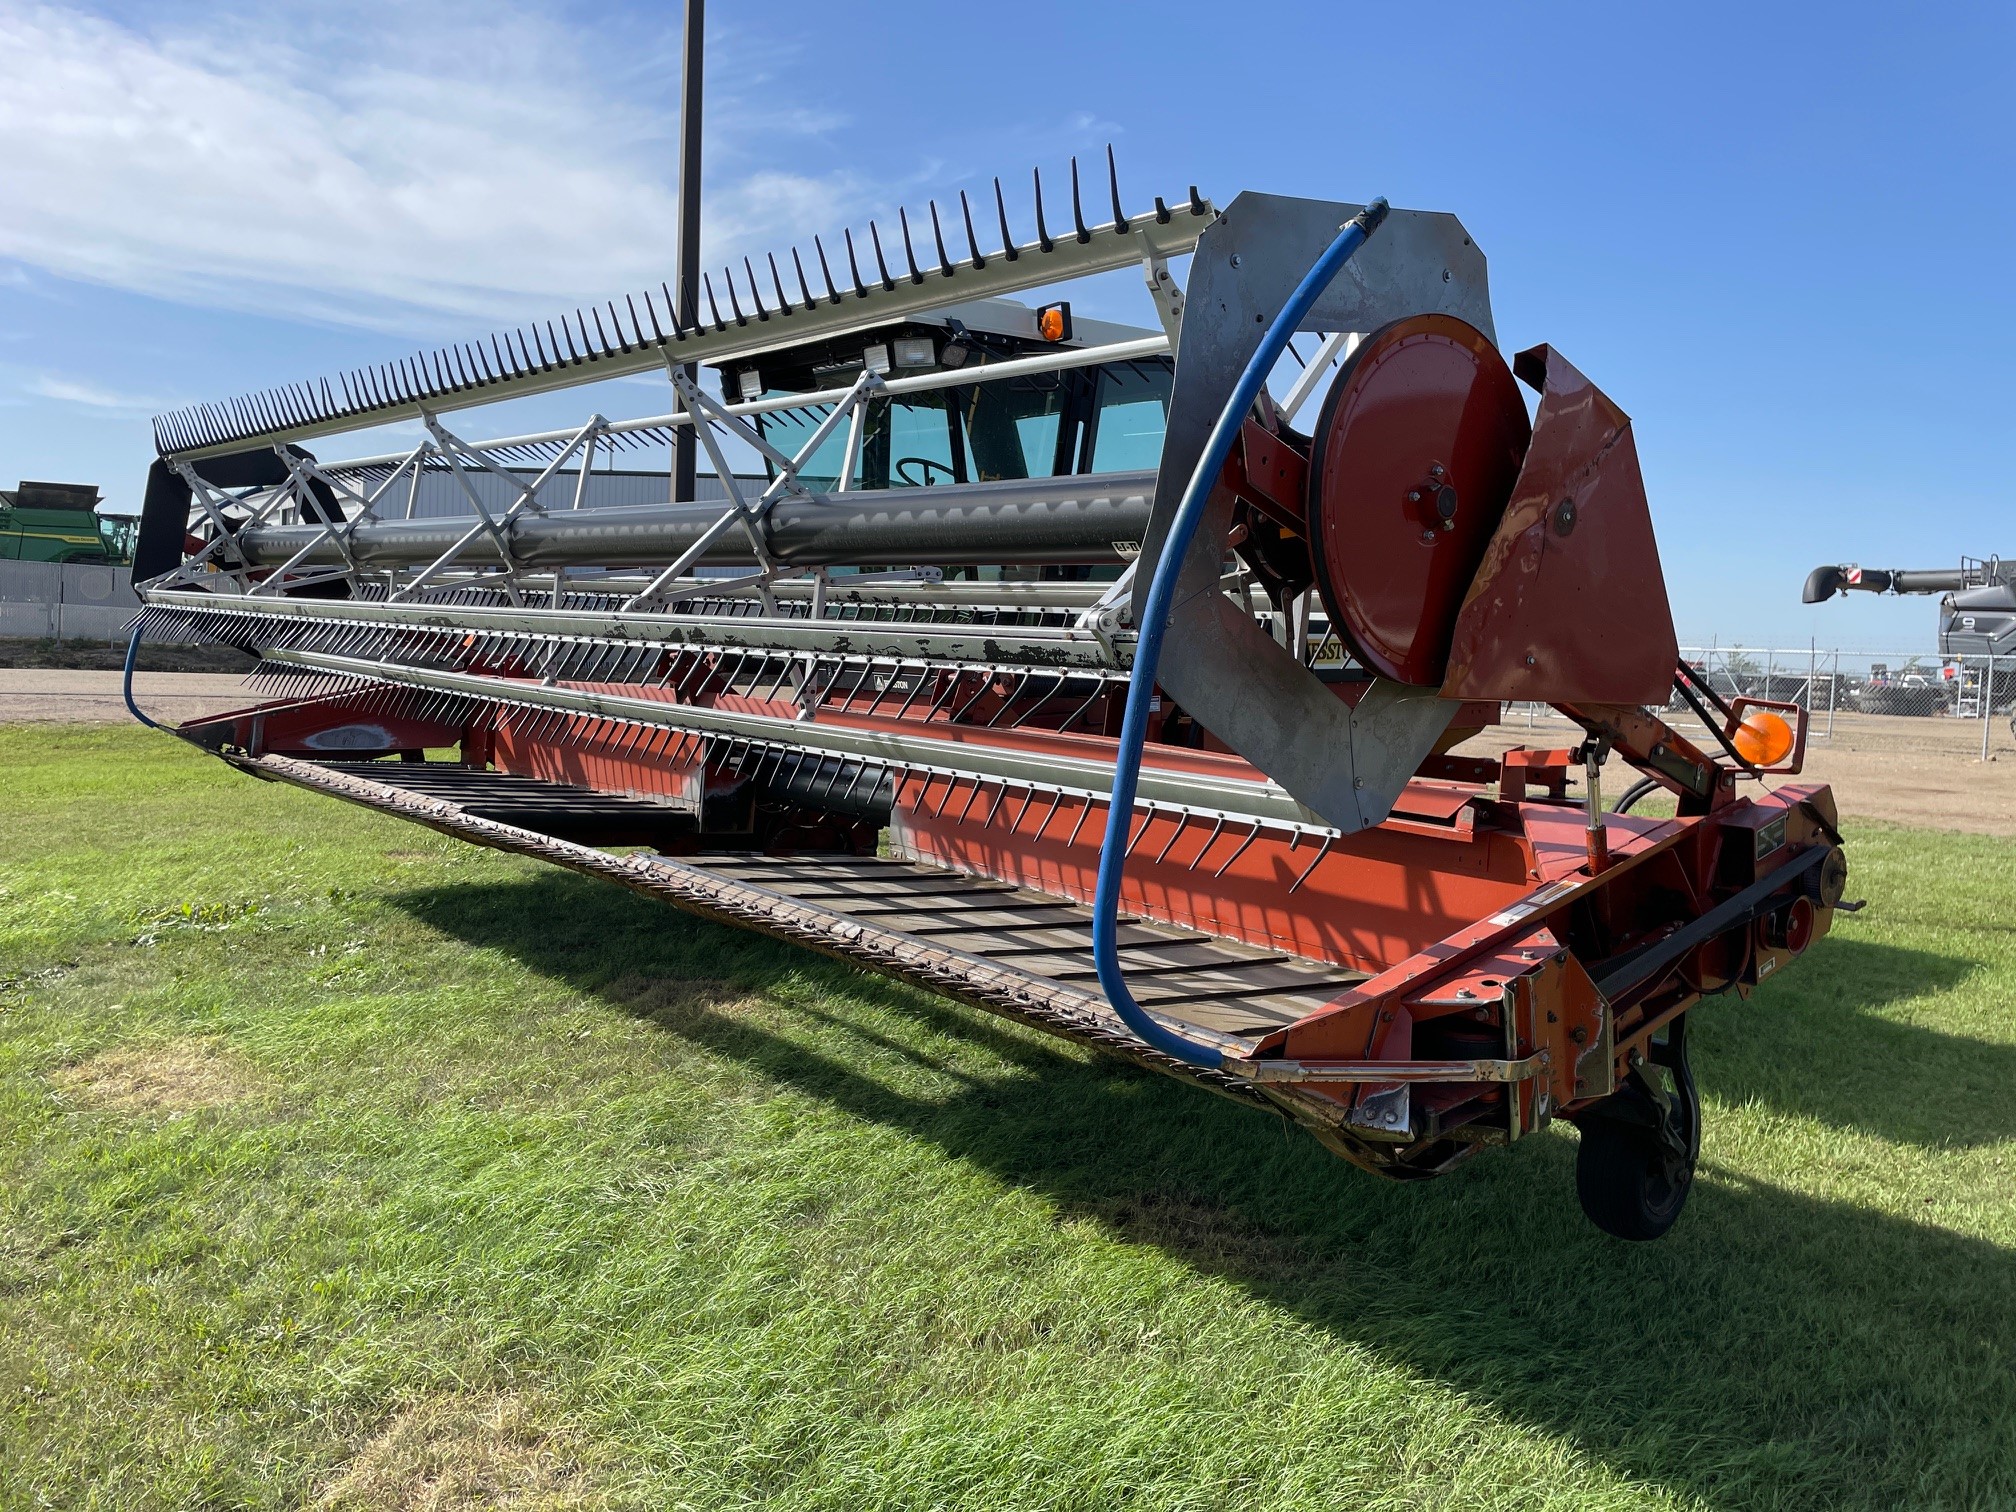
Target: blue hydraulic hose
[[133, 655], [1155, 621]]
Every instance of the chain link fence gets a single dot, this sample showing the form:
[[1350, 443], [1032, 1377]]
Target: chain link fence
[[1906, 701]]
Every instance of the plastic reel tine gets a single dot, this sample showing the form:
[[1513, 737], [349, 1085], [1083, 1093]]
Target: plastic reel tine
[[601, 343], [1120, 221], [657, 331], [973, 255], [755, 290], [854, 266], [832, 293], [777, 283], [672, 311], [1196, 201], [714, 306], [881, 263], [1077, 211], [587, 345], [1009, 250], [909, 253], [1042, 231], [804, 287], [728, 277], [938, 237]]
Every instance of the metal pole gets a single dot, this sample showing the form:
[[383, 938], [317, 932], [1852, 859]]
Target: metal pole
[[1987, 704], [686, 289]]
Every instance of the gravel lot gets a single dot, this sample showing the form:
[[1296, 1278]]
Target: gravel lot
[[1909, 771]]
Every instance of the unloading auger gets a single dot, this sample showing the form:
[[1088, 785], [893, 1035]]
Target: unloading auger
[[877, 699]]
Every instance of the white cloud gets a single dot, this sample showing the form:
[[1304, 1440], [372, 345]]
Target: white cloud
[[90, 395], [378, 164]]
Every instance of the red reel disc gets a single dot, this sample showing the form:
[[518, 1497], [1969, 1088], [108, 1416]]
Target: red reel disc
[[1416, 452]]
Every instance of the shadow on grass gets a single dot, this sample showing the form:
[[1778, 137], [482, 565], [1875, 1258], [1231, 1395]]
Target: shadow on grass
[[1812, 1045], [1776, 1349]]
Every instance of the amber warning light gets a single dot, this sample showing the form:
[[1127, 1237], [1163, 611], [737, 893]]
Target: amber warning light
[[1053, 321], [1765, 736]]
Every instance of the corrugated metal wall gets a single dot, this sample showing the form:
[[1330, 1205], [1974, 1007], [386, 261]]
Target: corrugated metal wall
[[64, 601]]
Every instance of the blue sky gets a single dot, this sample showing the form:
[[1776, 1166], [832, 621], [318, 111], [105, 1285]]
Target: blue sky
[[1778, 235]]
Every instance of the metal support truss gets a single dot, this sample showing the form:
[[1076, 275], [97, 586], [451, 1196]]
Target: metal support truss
[[454, 449], [705, 415]]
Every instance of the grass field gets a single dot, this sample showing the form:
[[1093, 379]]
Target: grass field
[[342, 1165]]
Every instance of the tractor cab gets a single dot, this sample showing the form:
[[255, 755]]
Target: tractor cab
[[1107, 417]]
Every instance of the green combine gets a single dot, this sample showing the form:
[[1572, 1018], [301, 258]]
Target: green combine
[[59, 522]]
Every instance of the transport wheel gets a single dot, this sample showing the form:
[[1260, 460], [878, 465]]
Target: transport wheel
[[1635, 1165]]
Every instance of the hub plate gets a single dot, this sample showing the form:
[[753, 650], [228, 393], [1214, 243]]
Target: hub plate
[[1416, 452]]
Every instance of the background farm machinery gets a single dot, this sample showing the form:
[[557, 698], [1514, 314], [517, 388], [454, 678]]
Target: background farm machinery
[[1112, 679], [1977, 636]]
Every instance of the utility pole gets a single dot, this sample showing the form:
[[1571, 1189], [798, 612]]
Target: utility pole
[[686, 284]]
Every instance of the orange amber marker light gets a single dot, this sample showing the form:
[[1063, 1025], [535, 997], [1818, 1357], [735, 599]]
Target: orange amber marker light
[[1763, 739], [1050, 324]]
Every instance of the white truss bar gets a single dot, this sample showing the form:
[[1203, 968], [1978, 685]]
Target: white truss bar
[[1043, 362], [1033, 265]]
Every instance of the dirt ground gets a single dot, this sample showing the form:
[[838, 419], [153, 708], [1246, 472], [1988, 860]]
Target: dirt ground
[[1908, 771], [1922, 771], [52, 695], [92, 656]]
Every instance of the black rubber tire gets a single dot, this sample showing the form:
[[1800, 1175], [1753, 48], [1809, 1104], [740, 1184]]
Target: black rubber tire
[[1627, 1185]]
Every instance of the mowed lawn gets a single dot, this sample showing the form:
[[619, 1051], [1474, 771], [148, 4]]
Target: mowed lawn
[[344, 1165]]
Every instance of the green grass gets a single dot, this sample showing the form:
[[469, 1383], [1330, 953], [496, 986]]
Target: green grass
[[728, 1224]]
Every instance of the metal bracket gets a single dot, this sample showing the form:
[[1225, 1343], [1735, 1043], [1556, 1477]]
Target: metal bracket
[[1347, 763]]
